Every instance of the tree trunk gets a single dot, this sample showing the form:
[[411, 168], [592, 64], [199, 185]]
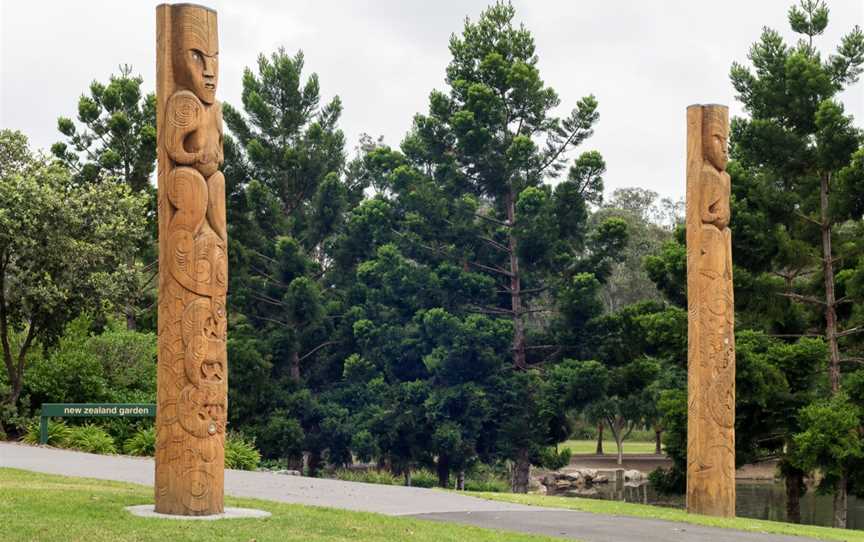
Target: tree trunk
[[131, 325], [14, 364], [12, 373], [407, 474], [840, 503], [521, 472], [519, 357], [314, 463], [840, 497], [658, 441], [830, 299], [522, 467], [460, 480], [599, 438], [618, 435], [295, 367], [794, 481], [443, 466]]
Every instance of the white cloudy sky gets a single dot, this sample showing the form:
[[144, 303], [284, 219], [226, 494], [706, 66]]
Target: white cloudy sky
[[645, 61]]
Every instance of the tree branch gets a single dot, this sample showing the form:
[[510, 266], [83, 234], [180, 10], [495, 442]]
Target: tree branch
[[803, 298], [496, 244], [22, 352], [267, 299], [807, 218], [275, 321], [492, 269], [4, 324], [492, 310], [317, 348], [493, 220]]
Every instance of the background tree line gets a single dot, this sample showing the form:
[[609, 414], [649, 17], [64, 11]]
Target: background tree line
[[467, 297]]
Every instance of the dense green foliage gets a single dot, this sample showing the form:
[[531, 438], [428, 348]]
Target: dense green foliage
[[114, 366], [58, 433], [90, 438], [115, 141], [63, 246], [143, 442], [240, 452]]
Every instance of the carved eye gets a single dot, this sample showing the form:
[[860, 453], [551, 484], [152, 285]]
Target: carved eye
[[196, 56]]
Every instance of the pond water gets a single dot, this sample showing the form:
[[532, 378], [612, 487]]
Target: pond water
[[760, 500]]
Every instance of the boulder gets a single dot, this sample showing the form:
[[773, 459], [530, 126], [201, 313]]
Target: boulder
[[571, 476], [589, 473], [633, 476], [541, 490]]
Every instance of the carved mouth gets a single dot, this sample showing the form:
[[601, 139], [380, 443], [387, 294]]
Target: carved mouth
[[210, 86]]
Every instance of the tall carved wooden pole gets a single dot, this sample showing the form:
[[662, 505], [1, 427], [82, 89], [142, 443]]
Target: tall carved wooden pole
[[711, 317], [193, 270]]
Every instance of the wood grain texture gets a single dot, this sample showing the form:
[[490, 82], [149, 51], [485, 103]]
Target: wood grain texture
[[711, 314], [193, 269]]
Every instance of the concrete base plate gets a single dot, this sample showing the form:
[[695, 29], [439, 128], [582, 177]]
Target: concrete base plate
[[149, 511]]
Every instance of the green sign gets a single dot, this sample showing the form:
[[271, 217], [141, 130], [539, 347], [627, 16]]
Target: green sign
[[90, 410], [111, 410]]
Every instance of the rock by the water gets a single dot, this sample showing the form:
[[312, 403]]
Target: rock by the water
[[633, 476]]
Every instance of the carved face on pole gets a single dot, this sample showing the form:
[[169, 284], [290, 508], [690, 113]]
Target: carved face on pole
[[714, 134], [196, 56]]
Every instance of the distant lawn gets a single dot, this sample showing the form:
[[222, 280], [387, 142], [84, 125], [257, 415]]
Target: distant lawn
[[617, 508], [44, 508], [609, 448]]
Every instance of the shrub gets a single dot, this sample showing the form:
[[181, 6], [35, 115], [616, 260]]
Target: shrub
[[671, 481], [91, 438], [552, 459], [115, 366], [281, 436], [58, 433], [367, 476], [274, 464], [424, 478], [241, 453], [141, 443]]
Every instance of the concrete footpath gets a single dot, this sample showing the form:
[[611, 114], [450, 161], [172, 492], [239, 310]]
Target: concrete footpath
[[419, 503]]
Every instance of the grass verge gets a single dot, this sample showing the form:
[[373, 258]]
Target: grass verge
[[57, 508], [616, 508], [609, 448]]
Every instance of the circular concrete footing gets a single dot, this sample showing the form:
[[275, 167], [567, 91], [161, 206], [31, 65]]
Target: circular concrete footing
[[149, 511]]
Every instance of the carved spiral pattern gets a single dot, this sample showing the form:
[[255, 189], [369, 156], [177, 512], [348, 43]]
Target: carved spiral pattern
[[187, 110]]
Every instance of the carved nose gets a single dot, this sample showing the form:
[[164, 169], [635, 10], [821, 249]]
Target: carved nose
[[208, 67]]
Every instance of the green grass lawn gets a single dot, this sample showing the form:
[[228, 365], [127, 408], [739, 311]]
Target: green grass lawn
[[41, 507], [609, 448], [598, 506]]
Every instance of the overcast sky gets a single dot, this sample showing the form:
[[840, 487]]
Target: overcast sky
[[644, 61]]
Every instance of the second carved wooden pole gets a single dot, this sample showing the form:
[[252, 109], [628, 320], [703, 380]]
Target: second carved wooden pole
[[711, 316]]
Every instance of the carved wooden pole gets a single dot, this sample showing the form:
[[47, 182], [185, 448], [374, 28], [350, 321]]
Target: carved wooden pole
[[193, 271], [711, 317]]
